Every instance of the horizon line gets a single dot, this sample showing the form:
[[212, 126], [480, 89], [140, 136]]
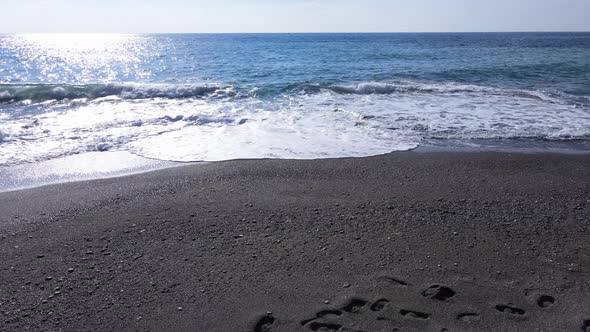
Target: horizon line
[[302, 32]]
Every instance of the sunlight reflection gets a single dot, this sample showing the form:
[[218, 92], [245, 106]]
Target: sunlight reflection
[[82, 55], [77, 41]]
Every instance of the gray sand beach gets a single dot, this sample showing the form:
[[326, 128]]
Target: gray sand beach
[[406, 241]]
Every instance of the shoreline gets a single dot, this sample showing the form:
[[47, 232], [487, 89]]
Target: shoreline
[[103, 165], [79, 167], [409, 240]]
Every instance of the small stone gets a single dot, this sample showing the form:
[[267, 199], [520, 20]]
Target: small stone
[[40, 256], [326, 302], [346, 285], [49, 278], [179, 309]]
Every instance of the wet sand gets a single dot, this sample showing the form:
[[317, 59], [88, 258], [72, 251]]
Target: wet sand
[[407, 241]]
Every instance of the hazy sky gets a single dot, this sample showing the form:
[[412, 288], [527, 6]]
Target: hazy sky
[[293, 15]]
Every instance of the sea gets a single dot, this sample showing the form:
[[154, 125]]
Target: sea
[[212, 97]]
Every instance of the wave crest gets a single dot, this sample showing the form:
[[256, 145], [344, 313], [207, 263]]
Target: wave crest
[[46, 92], [379, 88]]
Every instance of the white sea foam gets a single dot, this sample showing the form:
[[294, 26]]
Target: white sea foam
[[50, 92], [329, 122], [409, 87]]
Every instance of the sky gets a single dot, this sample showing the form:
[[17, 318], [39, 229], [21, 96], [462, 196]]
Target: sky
[[208, 16]]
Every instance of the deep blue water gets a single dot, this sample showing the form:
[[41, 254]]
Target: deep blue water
[[223, 96]]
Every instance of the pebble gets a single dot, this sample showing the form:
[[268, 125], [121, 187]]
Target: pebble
[[48, 278], [71, 269], [346, 285], [180, 309]]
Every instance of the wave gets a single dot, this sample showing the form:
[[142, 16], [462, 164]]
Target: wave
[[330, 121], [36, 93], [379, 88]]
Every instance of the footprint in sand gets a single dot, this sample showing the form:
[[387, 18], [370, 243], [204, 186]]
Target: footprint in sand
[[264, 324], [439, 293], [379, 305], [545, 301], [355, 309], [468, 317], [510, 309], [324, 327], [414, 314], [355, 305], [322, 314]]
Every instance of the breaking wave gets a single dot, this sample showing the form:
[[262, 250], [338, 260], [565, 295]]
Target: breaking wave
[[302, 121], [379, 88], [45, 92]]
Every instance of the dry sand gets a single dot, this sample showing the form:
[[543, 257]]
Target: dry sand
[[406, 241]]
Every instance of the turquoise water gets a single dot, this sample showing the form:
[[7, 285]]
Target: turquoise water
[[216, 97]]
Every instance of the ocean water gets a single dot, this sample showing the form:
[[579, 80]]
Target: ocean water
[[198, 97]]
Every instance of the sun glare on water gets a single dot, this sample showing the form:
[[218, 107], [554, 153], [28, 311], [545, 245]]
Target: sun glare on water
[[80, 54], [76, 41]]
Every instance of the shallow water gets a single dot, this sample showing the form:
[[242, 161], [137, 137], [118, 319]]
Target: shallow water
[[218, 97]]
